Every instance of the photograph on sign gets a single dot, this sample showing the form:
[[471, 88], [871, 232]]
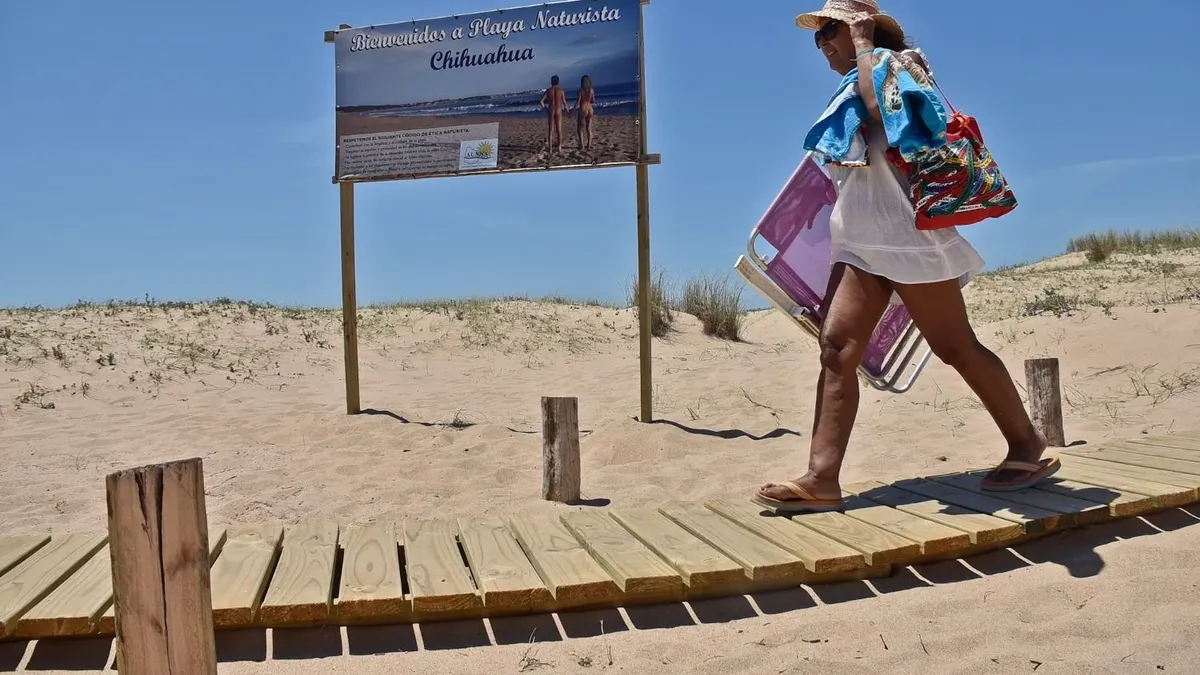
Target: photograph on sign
[[540, 87]]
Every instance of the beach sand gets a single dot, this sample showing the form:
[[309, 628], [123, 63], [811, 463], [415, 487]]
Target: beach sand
[[522, 139], [453, 429]]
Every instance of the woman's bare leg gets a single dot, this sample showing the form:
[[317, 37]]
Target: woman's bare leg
[[940, 314], [855, 301]]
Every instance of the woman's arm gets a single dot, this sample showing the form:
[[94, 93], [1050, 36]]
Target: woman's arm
[[862, 30]]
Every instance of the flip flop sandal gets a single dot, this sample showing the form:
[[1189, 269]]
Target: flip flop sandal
[[804, 503], [1037, 473]]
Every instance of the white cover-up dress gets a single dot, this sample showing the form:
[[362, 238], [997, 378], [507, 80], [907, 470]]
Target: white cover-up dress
[[873, 226]]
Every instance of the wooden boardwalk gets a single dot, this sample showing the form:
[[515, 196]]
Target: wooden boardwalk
[[433, 570]]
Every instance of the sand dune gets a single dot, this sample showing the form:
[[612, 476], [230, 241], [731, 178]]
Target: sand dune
[[453, 429]]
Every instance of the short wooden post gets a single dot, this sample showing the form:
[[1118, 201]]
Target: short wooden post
[[1045, 399], [158, 540], [560, 449]]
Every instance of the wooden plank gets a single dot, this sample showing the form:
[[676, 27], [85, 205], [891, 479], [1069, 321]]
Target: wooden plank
[[565, 566], [34, 578], [933, 538], [240, 575], [761, 561], [15, 549], [982, 528], [1184, 447], [506, 578], [437, 574], [635, 568], [1155, 450], [301, 590], [75, 606], [216, 542], [1188, 458], [1076, 511], [878, 546], [107, 623], [1118, 456], [371, 586], [1182, 480], [1120, 503], [1187, 439], [1034, 520], [1165, 496], [700, 565], [819, 554]]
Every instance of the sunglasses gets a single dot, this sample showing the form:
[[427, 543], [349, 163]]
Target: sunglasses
[[827, 31]]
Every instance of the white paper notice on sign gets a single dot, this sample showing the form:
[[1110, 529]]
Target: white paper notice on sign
[[480, 154], [438, 150]]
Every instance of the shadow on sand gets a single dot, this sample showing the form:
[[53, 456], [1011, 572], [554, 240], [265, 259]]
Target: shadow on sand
[[728, 434]]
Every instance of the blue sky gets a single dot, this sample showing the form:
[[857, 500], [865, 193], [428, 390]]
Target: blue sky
[[185, 150], [403, 74]]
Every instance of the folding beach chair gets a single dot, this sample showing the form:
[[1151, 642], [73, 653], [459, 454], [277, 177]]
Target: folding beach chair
[[795, 278]]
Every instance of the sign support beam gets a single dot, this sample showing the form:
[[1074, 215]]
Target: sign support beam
[[645, 338]]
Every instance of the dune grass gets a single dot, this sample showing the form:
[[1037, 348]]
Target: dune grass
[[662, 315], [1098, 246], [717, 302]]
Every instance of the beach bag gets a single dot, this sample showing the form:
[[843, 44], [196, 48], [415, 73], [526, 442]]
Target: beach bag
[[958, 183]]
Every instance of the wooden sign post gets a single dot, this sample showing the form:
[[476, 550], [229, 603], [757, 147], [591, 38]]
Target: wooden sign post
[[643, 238]]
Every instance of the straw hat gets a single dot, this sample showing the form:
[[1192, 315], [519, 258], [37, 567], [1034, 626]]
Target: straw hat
[[844, 11]]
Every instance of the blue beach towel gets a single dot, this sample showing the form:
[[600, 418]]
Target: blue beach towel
[[914, 114]]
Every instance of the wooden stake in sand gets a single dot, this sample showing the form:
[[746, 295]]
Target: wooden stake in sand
[[560, 449], [1045, 399], [158, 538]]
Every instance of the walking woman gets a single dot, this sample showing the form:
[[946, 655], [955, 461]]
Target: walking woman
[[585, 103], [880, 257]]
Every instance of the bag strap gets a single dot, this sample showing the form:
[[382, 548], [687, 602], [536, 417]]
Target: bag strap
[[929, 72], [953, 110]]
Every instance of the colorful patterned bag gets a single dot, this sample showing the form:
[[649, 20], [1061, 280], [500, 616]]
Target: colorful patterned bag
[[958, 183]]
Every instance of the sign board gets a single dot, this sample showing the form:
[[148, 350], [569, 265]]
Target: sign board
[[534, 88]]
